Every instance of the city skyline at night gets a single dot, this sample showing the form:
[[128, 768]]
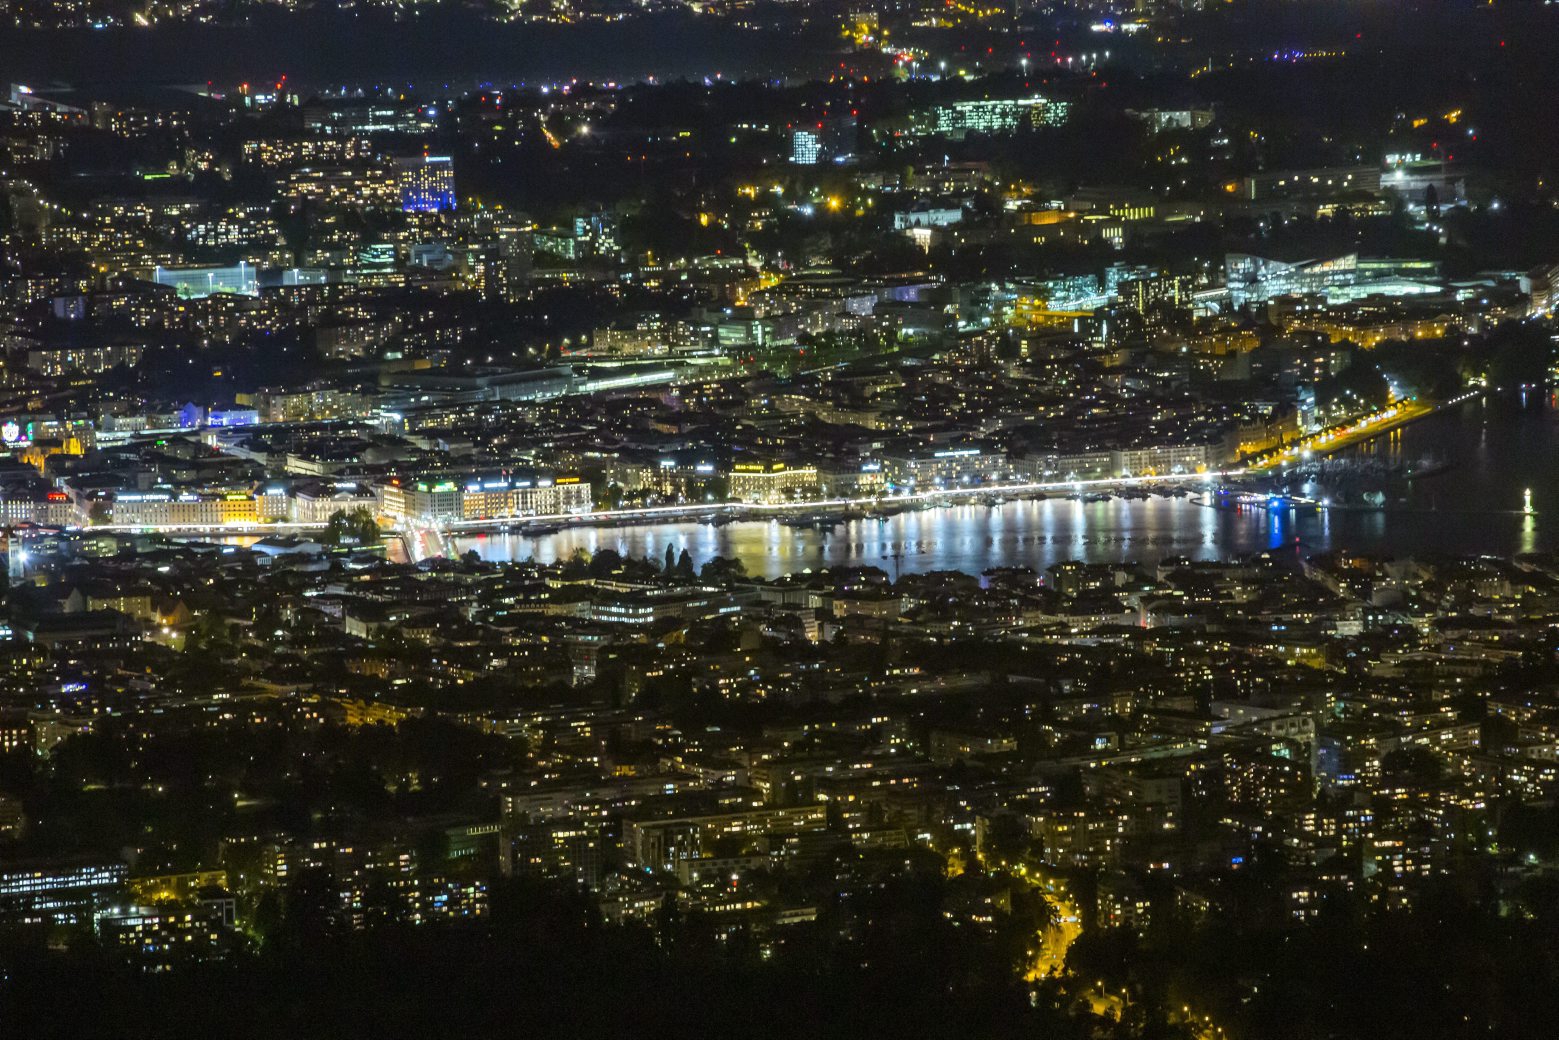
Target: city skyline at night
[[784, 519]]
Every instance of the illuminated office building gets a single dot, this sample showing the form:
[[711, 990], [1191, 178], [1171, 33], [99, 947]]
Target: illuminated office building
[[426, 183], [806, 147], [828, 140], [57, 892], [1255, 279], [987, 116]]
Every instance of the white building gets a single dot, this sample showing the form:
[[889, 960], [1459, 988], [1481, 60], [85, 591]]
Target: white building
[[487, 498]]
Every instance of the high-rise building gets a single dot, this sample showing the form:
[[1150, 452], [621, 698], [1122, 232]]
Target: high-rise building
[[806, 147], [828, 140], [426, 183]]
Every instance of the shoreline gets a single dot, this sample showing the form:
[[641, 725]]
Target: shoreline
[[733, 512], [1429, 410], [742, 512]]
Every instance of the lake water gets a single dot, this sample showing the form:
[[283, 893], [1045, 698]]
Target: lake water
[[1497, 449]]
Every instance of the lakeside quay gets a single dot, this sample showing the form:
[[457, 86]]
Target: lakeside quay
[[1346, 435], [737, 511], [1325, 442]]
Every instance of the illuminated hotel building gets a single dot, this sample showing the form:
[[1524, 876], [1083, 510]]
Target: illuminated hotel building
[[772, 483], [52, 508], [937, 467], [159, 508], [486, 498], [426, 183]]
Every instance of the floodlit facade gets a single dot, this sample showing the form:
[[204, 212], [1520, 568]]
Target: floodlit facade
[[426, 183], [487, 498]]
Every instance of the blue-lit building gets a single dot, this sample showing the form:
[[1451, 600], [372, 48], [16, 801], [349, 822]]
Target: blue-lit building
[[426, 183]]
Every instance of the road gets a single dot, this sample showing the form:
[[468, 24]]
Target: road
[[1355, 431], [1057, 940]]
